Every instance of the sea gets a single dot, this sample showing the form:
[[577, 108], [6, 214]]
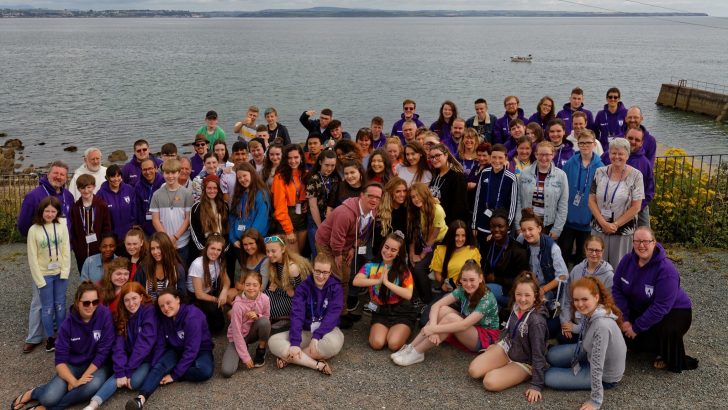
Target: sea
[[108, 82]]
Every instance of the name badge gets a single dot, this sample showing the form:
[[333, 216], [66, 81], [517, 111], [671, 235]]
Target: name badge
[[488, 213], [577, 199], [505, 345], [576, 368], [298, 209], [241, 228], [91, 238], [149, 216], [315, 325], [54, 265], [607, 214], [372, 306], [362, 250]]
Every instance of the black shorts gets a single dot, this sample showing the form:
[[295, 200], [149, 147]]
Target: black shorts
[[299, 221], [389, 315]]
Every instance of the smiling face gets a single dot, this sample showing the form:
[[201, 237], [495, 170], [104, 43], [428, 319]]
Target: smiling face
[[156, 251], [480, 110], [141, 152], [93, 160], [314, 146], [524, 151], [364, 143], [86, 312], [275, 154], [594, 251], [408, 131], [132, 302], [214, 249], [244, 178], [250, 246], [458, 129], [576, 100], [643, 245], [545, 108], [49, 214], [200, 147], [169, 305], [483, 158], [531, 232], [211, 165], [258, 154], [271, 118], [393, 152], [635, 138], [119, 277], [438, 159], [390, 250], [497, 160], [511, 106], [352, 176], [399, 196], [469, 142], [107, 247], [586, 145], [556, 134], [211, 189], [149, 171], [578, 124], [294, 159], [584, 302], [618, 156], [321, 273], [544, 155], [459, 238], [416, 200], [412, 156], [499, 229], [251, 287], [525, 296], [470, 280], [328, 165], [409, 110], [446, 111], [377, 163], [133, 244], [114, 181], [274, 251], [220, 152]]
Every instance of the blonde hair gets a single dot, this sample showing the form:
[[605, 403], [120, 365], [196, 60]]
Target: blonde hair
[[287, 259]]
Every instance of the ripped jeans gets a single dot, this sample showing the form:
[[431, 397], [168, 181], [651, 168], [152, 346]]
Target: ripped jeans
[[53, 303]]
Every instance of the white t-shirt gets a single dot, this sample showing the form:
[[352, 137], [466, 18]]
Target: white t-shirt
[[196, 271], [172, 207]]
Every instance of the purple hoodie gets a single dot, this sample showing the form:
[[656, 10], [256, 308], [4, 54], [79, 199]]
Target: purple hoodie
[[33, 198], [121, 206], [81, 344], [649, 143], [310, 302], [608, 125], [131, 173], [137, 346], [536, 117], [639, 160], [142, 199], [646, 294], [567, 112], [397, 127], [443, 130], [186, 334], [563, 153], [502, 131], [380, 142]]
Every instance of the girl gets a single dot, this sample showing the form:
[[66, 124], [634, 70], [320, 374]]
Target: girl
[[320, 184], [115, 277], [84, 343], [497, 189], [466, 151], [136, 247], [448, 183], [249, 323], [504, 258], [523, 156], [347, 149], [414, 168], [448, 259], [209, 215], [426, 227], [289, 193], [162, 268], [394, 151], [222, 154], [349, 186], [208, 282], [187, 346], [272, 162], [250, 209], [545, 112], [364, 141], [597, 362], [380, 167], [89, 218], [49, 259], [563, 149], [391, 212], [473, 328], [119, 198], [520, 353], [534, 132], [210, 168], [286, 271], [133, 350], [253, 258], [390, 290], [95, 266], [443, 125]]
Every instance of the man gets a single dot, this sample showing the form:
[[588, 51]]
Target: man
[[277, 132], [228, 177], [634, 119], [346, 235], [197, 162], [210, 130], [482, 121], [517, 129], [315, 144], [91, 166], [379, 140], [578, 122], [168, 151], [246, 127], [409, 130], [502, 131], [143, 191], [336, 133], [576, 103], [52, 184], [320, 125], [262, 136], [608, 122], [171, 208], [185, 170], [457, 130], [408, 114], [133, 169]]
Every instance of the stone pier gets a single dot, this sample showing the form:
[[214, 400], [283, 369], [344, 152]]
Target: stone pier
[[686, 97]]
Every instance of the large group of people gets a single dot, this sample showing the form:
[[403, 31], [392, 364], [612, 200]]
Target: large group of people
[[507, 237]]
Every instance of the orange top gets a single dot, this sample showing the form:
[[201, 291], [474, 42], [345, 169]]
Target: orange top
[[285, 195]]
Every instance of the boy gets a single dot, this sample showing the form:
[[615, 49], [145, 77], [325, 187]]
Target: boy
[[315, 144], [171, 207], [246, 127], [210, 130], [379, 140]]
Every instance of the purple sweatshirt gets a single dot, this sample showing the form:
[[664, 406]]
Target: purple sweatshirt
[[81, 344], [563, 153], [196, 164], [186, 334], [649, 143], [137, 346], [639, 160], [142, 199], [502, 131], [131, 173], [566, 113], [33, 198], [121, 206], [646, 294], [536, 117], [397, 127], [444, 130], [312, 304], [609, 125]]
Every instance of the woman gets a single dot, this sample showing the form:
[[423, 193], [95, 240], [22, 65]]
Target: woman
[[379, 168], [544, 187], [545, 112], [49, 260], [286, 271], [466, 154], [289, 197], [351, 184], [119, 198], [89, 219], [504, 259], [448, 183], [443, 126], [278, 133], [414, 168], [394, 150], [364, 141], [272, 161], [136, 338], [347, 149], [320, 185], [523, 156], [615, 198], [136, 246], [250, 209], [95, 265], [83, 346], [222, 154], [253, 258], [314, 336], [211, 164], [657, 311], [563, 149], [597, 362], [208, 283], [390, 290], [115, 277], [534, 132], [458, 247], [187, 347], [162, 268], [473, 327], [209, 215], [391, 212]]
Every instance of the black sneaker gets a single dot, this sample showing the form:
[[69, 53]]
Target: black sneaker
[[345, 322], [259, 359], [350, 308], [50, 344]]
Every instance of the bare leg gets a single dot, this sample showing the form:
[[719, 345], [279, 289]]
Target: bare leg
[[301, 239], [494, 357], [398, 336], [447, 315], [378, 336], [505, 377]]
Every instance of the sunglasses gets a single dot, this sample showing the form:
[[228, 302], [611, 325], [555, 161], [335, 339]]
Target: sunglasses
[[274, 238], [142, 150], [200, 144], [409, 108], [612, 97], [87, 303]]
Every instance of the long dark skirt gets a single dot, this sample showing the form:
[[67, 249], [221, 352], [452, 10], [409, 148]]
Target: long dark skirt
[[665, 339]]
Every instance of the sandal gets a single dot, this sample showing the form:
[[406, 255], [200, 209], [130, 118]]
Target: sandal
[[18, 403], [280, 363], [326, 369], [134, 404], [659, 363]]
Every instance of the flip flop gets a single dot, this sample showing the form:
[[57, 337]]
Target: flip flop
[[280, 363], [659, 363], [18, 403]]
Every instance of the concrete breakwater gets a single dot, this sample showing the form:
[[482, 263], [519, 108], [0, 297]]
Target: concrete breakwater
[[696, 96]]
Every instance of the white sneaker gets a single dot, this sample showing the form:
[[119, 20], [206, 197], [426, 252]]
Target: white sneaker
[[411, 356], [401, 351]]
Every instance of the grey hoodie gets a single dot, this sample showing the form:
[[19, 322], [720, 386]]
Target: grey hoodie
[[605, 348], [527, 341], [604, 273]]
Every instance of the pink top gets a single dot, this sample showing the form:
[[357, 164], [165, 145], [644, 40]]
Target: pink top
[[240, 325]]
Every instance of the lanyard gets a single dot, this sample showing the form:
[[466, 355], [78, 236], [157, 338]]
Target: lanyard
[[525, 315], [579, 343], [326, 182], [491, 253], [296, 186], [316, 317], [606, 189], [586, 180], [55, 240], [88, 228], [62, 198], [487, 195], [584, 271]]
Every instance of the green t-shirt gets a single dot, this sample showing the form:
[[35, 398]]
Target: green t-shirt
[[219, 134], [488, 307]]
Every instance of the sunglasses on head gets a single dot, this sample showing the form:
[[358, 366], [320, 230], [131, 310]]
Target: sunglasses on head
[[274, 238], [87, 303]]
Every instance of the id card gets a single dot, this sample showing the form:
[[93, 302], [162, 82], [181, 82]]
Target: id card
[[505, 345], [149, 216], [576, 368], [315, 325], [91, 238], [241, 228], [298, 209], [372, 306], [362, 250], [577, 199], [607, 214], [488, 213], [54, 265]]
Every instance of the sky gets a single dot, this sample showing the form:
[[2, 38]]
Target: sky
[[717, 8]]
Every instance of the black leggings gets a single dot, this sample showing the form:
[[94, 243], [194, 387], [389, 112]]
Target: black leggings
[[665, 339]]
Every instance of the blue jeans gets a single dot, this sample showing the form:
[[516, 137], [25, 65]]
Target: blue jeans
[[53, 303], [109, 387], [498, 293], [184, 253], [55, 393], [311, 229], [200, 370], [560, 375], [35, 328]]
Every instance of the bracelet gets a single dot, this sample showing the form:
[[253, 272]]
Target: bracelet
[[427, 249]]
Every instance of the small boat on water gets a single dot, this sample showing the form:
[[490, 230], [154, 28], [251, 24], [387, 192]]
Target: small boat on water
[[521, 59]]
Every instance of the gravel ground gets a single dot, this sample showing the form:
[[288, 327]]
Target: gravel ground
[[367, 379]]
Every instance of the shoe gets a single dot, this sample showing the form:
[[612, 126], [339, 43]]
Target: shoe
[[351, 309], [50, 344], [409, 357], [345, 322], [259, 359], [280, 324], [134, 404], [402, 350], [29, 347]]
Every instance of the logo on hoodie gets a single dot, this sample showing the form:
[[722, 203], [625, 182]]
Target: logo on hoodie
[[649, 290], [127, 199], [97, 335], [181, 334]]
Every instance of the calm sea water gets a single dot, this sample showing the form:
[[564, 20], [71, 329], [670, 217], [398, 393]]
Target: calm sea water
[[107, 82]]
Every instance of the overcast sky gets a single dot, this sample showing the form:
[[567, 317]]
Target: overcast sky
[[712, 7]]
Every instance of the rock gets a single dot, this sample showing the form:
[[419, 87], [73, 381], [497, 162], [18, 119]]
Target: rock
[[8, 153], [41, 143], [14, 143], [21, 158], [71, 148], [18, 166], [188, 144], [7, 160], [29, 170], [117, 156], [3, 134]]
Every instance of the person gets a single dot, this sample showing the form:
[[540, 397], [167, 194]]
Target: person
[[187, 347], [133, 171], [457, 129], [315, 145], [534, 132], [52, 184], [272, 161], [136, 247], [185, 169], [219, 148], [579, 170], [409, 131], [609, 121], [147, 185], [378, 137], [545, 112], [289, 194], [615, 198], [408, 114], [89, 218], [278, 132], [286, 271], [161, 268], [518, 130], [314, 336], [572, 322], [657, 310], [171, 207], [578, 125], [168, 151], [483, 122], [563, 150], [351, 184], [211, 167], [197, 161], [520, 354], [545, 188], [250, 209], [379, 168], [473, 327], [483, 152], [229, 178], [597, 362], [320, 184], [576, 103], [208, 283], [426, 227], [523, 156], [208, 216], [414, 168], [119, 199], [211, 130], [249, 323], [257, 151], [503, 259], [91, 166], [253, 257], [391, 212], [458, 247], [336, 134], [116, 275], [134, 343], [363, 140], [466, 153], [84, 342], [497, 189], [319, 125], [246, 127], [634, 119], [95, 265], [443, 125], [50, 265], [448, 183], [395, 151], [502, 128]]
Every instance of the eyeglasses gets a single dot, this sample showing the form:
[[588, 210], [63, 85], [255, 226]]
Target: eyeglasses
[[638, 242], [590, 250], [436, 156], [378, 198], [87, 303], [612, 97], [585, 143], [409, 108], [274, 238], [321, 272]]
